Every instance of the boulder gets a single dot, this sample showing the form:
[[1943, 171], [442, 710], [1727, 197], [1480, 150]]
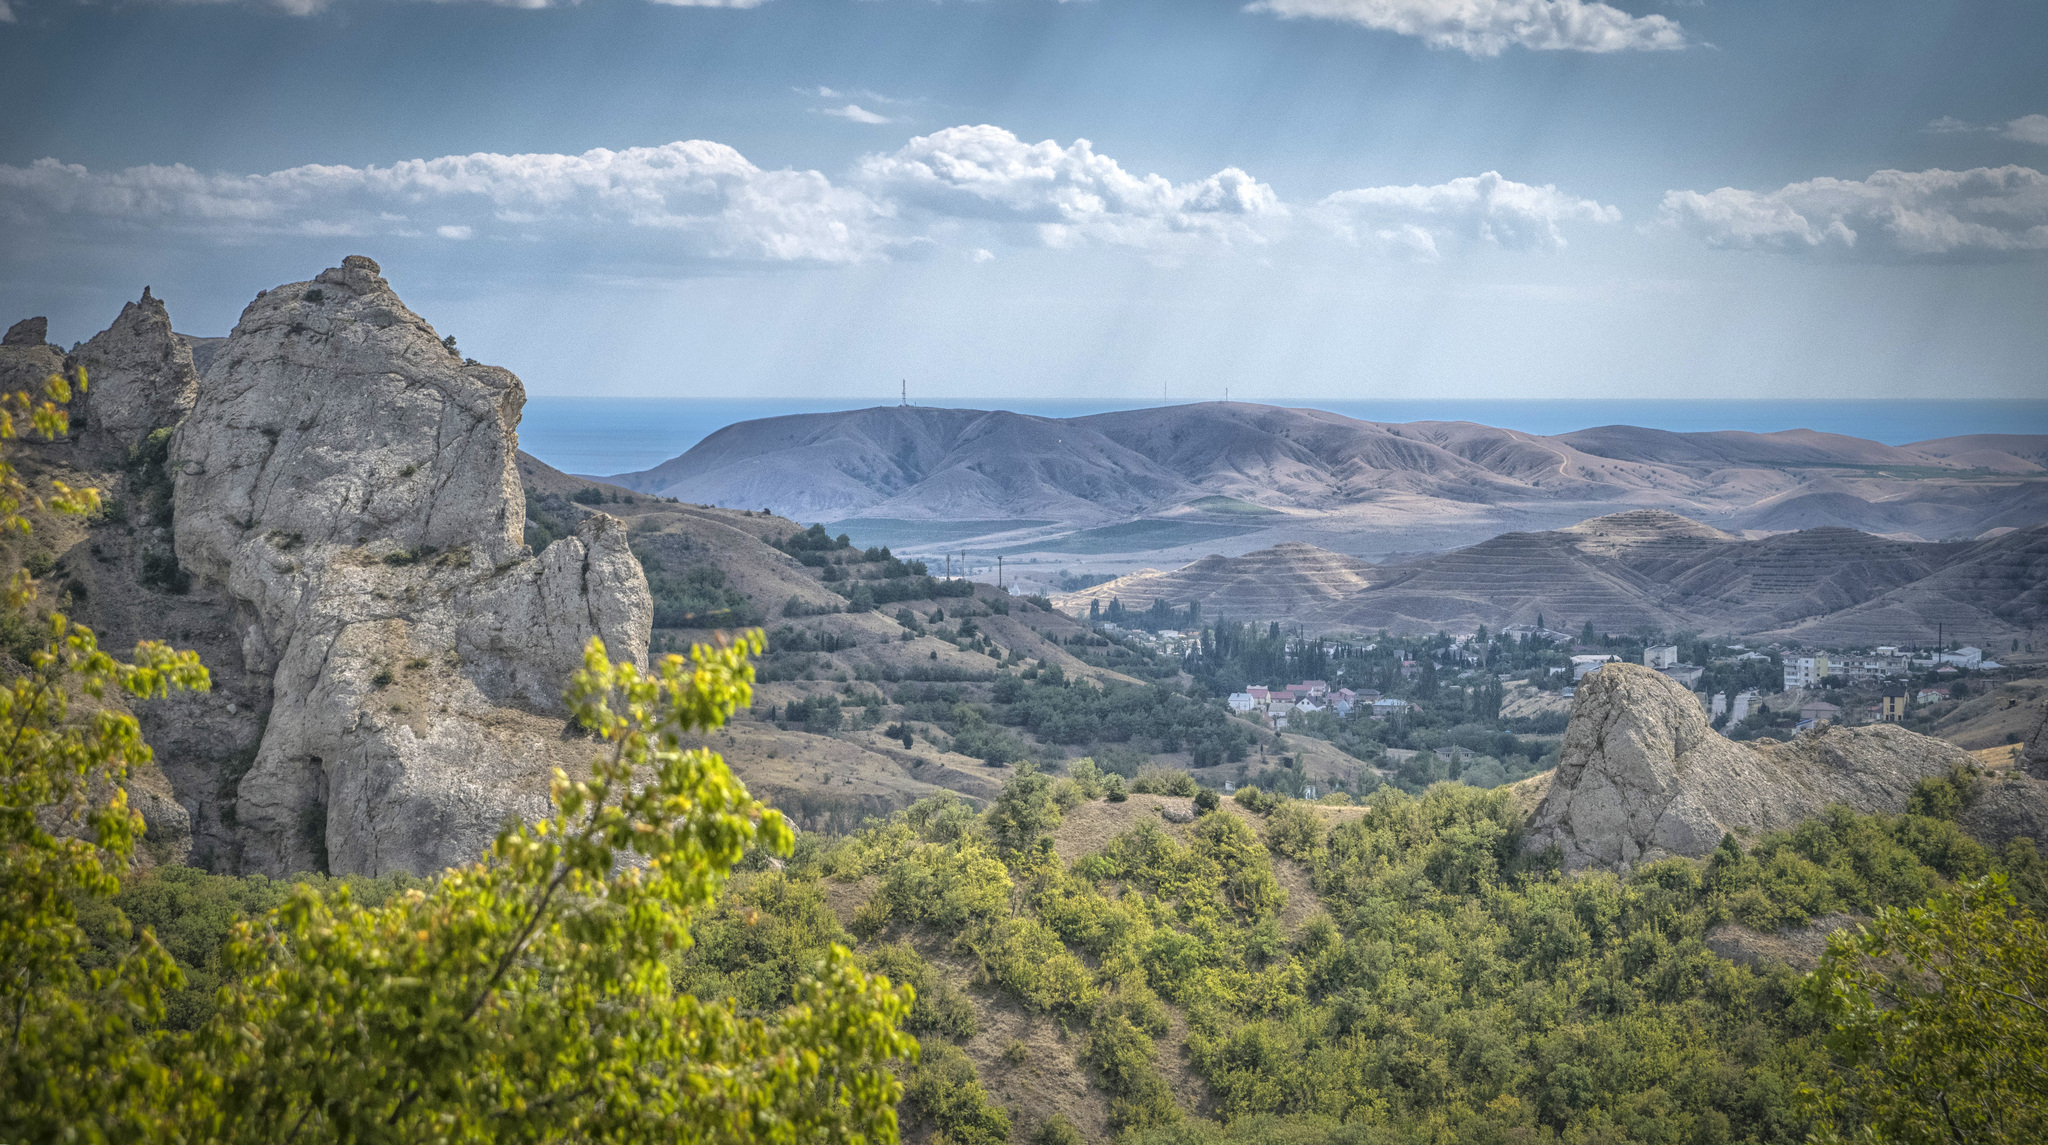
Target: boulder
[[139, 378], [348, 484], [1641, 776]]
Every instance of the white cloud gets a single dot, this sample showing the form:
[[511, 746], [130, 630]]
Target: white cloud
[[1070, 194], [706, 197], [1477, 208], [967, 189], [872, 96], [1988, 211], [2029, 129], [6, 13], [857, 114], [1488, 27], [1950, 125], [710, 3]]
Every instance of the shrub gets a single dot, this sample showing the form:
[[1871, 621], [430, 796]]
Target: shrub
[[943, 1088]]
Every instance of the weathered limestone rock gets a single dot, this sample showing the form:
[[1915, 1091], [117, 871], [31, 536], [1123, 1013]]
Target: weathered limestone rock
[[25, 359], [351, 485], [139, 377], [1642, 777]]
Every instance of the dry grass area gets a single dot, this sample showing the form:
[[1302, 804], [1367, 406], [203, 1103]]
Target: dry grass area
[[1999, 758], [2003, 715], [1524, 701]]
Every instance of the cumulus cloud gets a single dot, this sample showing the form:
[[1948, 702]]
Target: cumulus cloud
[[705, 196], [6, 13], [2028, 129], [856, 113], [1489, 27], [1987, 211], [1070, 194], [1484, 208], [968, 189]]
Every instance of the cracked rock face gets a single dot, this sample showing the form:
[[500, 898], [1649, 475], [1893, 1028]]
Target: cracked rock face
[[1643, 777], [139, 377], [350, 484]]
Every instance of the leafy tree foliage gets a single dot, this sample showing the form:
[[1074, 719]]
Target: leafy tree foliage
[[1941, 1018], [529, 996]]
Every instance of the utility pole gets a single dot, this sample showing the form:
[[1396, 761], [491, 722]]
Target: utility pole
[[999, 570]]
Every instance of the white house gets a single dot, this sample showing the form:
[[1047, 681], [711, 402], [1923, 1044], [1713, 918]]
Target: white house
[[1661, 657], [1807, 671], [1242, 702], [1582, 666]]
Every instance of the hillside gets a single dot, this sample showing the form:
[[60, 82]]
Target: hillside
[[1235, 477], [1642, 567], [923, 664]]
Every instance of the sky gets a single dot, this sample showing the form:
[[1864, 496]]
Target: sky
[[1079, 200]]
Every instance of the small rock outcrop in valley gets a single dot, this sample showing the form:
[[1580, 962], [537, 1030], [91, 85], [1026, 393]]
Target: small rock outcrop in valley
[[1643, 777], [349, 484], [139, 377]]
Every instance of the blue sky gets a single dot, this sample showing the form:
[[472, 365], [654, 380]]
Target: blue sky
[[1297, 198]]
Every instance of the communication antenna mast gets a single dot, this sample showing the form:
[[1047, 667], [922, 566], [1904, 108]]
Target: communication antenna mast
[[906, 391]]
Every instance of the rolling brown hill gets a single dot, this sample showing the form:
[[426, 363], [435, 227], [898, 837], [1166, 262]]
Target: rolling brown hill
[[1642, 567], [1185, 480]]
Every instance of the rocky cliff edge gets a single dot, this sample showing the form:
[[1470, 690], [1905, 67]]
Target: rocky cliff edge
[[348, 483]]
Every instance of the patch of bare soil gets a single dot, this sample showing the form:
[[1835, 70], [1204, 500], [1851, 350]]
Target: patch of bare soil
[[1799, 947]]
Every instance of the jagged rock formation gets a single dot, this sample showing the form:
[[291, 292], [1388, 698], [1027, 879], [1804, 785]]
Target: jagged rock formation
[[139, 377], [25, 359], [348, 483], [1642, 777]]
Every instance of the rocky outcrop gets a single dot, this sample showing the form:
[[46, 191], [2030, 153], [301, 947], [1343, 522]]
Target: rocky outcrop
[[139, 377], [25, 359], [349, 484], [1642, 777]]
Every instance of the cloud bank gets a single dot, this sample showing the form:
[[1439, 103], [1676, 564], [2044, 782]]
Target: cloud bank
[[1481, 208], [1934, 214], [1489, 27], [967, 188], [707, 196], [1069, 194]]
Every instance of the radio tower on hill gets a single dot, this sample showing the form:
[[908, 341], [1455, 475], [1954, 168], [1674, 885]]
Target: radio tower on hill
[[906, 391]]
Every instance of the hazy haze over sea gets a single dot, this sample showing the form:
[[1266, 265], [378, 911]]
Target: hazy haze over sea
[[620, 435]]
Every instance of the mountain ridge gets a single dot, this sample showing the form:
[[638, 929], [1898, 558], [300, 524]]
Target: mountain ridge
[[1344, 483]]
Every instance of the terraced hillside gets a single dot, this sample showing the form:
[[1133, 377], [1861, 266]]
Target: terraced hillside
[[1643, 567]]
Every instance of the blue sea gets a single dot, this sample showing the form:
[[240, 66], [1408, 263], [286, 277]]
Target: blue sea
[[600, 436]]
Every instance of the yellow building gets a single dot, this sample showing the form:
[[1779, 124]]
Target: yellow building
[[1891, 706]]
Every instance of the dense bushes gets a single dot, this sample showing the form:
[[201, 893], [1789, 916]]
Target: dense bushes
[[1443, 986]]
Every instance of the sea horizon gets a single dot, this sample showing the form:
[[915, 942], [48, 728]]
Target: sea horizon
[[606, 436]]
